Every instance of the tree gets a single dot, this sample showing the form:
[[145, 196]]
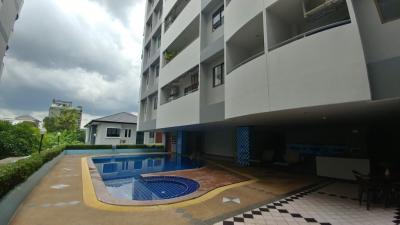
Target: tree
[[18, 140], [67, 120]]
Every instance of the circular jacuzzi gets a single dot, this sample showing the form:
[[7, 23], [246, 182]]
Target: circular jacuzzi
[[163, 187]]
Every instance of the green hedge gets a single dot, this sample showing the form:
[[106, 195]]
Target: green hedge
[[15, 173], [94, 147]]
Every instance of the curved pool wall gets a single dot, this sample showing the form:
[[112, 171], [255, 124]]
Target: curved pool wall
[[111, 151], [123, 177], [153, 187]]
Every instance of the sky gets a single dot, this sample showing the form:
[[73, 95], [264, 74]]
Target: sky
[[84, 51]]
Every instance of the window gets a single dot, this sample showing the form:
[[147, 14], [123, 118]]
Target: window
[[144, 107], [157, 41], [218, 75], [151, 135], [157, 70], [388, 10], [155, 102], [127, 133], [194, 79], [218, 18], [113, 132]]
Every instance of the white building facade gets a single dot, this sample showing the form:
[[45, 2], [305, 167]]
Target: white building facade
[[212, 66], [9, 13]]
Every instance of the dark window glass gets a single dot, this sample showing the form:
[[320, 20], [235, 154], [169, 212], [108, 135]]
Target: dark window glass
[[218, 75], [129, 133], [155, 102], [139, 138], [218, 18], [157, 70], [113, 132], [388, 9], [151, 134]]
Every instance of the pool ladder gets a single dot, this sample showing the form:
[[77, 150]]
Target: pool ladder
[[114, 149]]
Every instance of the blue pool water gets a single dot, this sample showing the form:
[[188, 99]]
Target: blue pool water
[[122, 176]]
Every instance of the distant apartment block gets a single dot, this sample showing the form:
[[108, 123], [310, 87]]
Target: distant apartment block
[[211, 67], [58, 106], [9, 13]]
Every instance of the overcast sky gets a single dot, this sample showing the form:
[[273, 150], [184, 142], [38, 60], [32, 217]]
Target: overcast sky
[[84, 51]]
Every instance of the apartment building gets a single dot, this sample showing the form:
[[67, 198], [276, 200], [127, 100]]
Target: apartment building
[[9, 13], [238, 78], [58, 106]]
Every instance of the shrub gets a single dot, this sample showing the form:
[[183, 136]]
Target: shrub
[[15, 173]]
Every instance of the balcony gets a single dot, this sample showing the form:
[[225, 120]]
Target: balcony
[[181, 86], [325, 68], [246, 44], [180, 112], [287, 23], [184, 61], [246, 89], [185, 18], [153, 24], [174, 13], [239, 12]]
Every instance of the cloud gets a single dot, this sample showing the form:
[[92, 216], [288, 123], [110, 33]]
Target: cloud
[[76, 50], [119, 9]]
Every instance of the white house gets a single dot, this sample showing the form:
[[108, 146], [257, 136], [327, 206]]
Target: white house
[[116, 129]]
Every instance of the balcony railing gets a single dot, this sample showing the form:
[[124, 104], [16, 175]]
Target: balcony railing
[[191, 88], [310, 32]]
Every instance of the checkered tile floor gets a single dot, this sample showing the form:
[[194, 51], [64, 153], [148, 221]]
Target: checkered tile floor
[[333, 204]]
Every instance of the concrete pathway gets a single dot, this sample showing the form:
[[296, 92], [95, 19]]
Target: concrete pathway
[[57, 199]]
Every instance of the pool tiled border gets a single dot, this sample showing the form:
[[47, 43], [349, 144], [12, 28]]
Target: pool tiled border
[[91, 199]]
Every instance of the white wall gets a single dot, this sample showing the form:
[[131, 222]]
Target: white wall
[[8, 13], [102, 139], [325, 68], [180, 112], [246, 89]]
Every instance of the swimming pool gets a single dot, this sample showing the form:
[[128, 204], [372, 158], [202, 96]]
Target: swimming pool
[[122, 176]]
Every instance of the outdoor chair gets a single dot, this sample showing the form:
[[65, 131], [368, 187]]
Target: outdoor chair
[[365, 186]]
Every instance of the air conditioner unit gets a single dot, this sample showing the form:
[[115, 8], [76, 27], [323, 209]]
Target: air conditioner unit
[[312, 7]]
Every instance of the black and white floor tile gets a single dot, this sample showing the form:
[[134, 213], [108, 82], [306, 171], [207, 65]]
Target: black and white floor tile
[[333, 204]]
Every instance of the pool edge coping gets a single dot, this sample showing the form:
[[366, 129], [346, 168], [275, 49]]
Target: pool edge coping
[[91, 200]]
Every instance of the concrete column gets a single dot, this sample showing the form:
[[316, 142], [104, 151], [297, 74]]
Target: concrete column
[[243, 145], [181, 142]]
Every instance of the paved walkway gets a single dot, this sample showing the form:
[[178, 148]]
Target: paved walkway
[[57, 199], [334, 204], [12, 159]]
